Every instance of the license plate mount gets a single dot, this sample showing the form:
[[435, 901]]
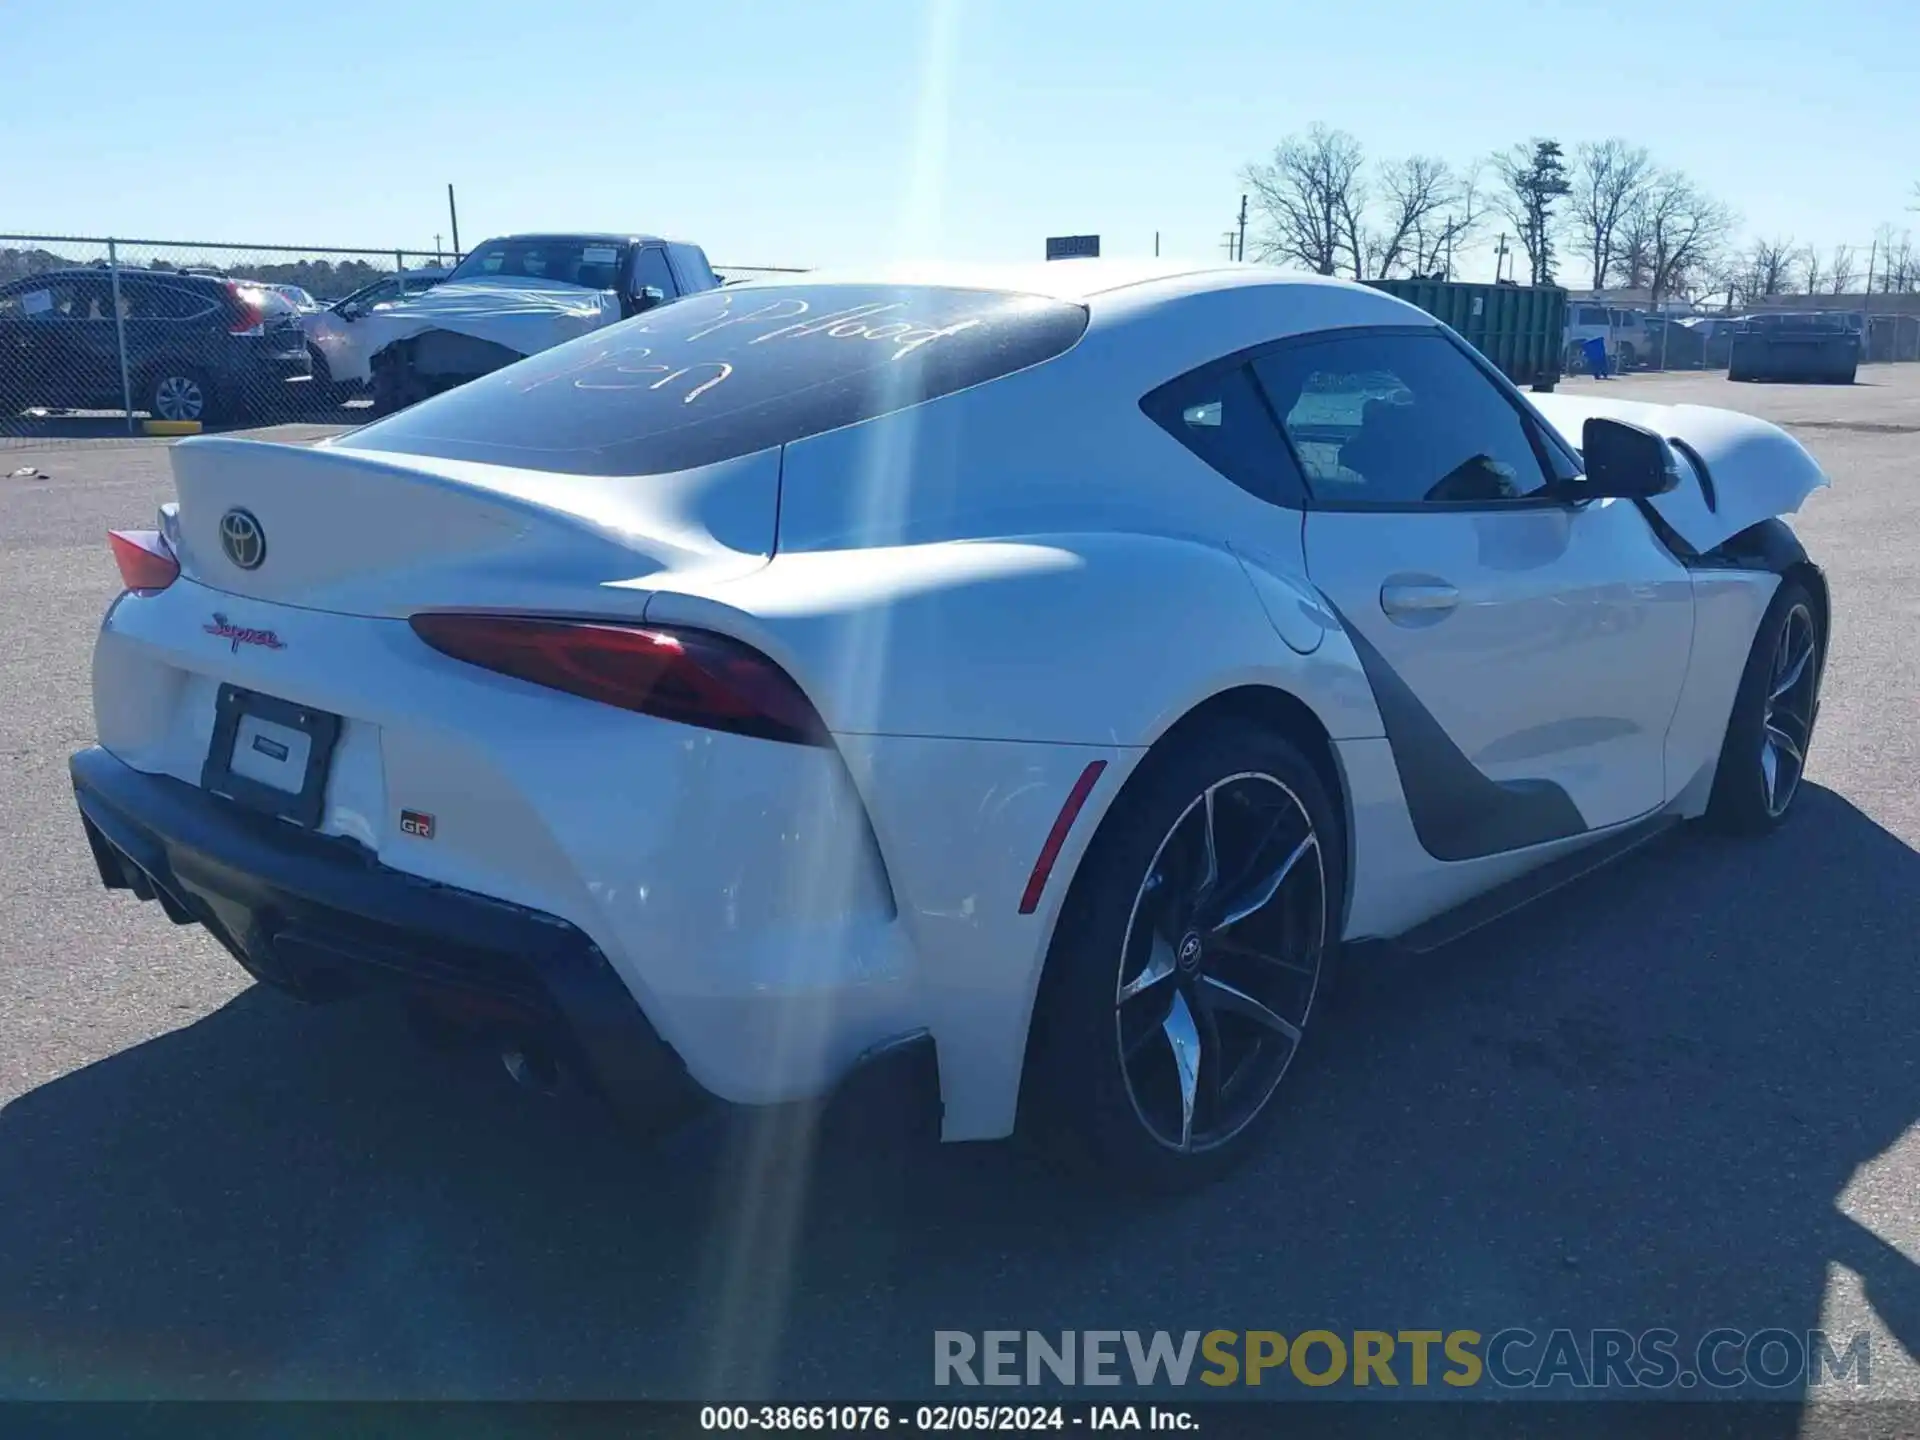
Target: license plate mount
[[270, 755]]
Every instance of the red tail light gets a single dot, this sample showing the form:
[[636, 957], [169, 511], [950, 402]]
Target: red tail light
[[145, 559], [691, 676], [249, 303]]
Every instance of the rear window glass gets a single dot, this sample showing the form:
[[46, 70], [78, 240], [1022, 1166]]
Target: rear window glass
[[730, 372]]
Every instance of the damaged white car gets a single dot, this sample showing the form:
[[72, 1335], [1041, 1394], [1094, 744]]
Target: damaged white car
[[514, 297], [1013, 686]]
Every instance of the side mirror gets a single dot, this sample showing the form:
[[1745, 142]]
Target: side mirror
[[645, 299], [1629, 462]]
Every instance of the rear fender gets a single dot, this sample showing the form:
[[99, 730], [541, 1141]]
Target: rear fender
[[1049, 638]]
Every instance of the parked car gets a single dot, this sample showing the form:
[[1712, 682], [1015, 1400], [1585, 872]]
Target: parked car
[[197, 347], [515, 296], [295, 296], [1024, 680], [1802, 346], [339, 342], [1624, 331]]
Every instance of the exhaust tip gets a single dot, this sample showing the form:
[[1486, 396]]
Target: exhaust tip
[[533, 1070]]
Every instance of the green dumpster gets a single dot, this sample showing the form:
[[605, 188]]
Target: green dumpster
[[1521, 329]]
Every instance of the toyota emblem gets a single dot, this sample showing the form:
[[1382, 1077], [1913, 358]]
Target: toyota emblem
[[243, 539], [1189, 956]]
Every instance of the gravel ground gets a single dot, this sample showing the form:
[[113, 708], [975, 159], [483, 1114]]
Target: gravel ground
[[1682, 1093]]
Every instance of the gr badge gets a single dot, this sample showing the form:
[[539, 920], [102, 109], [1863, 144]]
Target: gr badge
[[416, 823]]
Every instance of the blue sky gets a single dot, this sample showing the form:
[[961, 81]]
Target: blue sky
[[817, 131]]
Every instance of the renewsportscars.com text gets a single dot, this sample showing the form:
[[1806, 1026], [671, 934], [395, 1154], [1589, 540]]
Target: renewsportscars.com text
[[1513, 1358]]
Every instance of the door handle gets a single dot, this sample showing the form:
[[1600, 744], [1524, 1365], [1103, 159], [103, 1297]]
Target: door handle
[[1416, 600]]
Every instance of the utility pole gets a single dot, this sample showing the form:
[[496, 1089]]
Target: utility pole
[[1227, 241], [1500, 257], [453, 217], [1873, 251], [436, 247], [1240, 252], [1156, 244]]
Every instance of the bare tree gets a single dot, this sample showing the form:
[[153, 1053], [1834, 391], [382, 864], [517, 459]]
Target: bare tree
[[1683, 232], [1813, 274], [1903, 265], [1608, 176], [1533, 178], [1840, 271], [1310, 196], [1633, 246], [1425, 209], [1893, 264], [1769, 265], [1454, 225], [1360, 242]]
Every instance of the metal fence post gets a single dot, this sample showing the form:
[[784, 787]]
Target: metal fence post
[[399, 270], [120, 332]]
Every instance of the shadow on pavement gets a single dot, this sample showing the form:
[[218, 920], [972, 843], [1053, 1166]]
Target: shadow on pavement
[[1635, 1106]]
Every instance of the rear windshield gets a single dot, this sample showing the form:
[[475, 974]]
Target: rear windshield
[[728, 373]]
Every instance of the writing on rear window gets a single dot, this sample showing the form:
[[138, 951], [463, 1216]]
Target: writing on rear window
[[719, 375]]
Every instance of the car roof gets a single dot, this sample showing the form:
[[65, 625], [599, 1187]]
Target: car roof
[[127, 274], [1076, 280], [607, 236]]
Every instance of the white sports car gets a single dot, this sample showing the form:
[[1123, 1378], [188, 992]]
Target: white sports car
[[1026, 678]]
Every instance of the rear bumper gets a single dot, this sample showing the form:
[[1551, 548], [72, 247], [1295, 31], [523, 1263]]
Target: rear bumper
[[320, 918]]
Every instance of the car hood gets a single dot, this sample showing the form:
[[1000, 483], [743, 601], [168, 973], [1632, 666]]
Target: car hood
[[524, 315], [1755, 470]]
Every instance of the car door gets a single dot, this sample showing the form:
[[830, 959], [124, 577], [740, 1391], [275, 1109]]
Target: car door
[[1527, 653], [51, 355], [91, 338], [20, 371], [169, 324]]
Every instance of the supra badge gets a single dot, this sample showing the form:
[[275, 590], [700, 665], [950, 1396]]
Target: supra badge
[[224, 629], [416, 823]]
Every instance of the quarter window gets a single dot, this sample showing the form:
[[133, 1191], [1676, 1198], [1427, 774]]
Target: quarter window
[[162, 302], [691, 262], [1398, 419], [1220, 415]]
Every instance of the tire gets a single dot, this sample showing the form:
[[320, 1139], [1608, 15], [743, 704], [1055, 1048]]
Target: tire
[[1132, 1028], [324, 392], [1629, 357], [180, 392], [388, 390], [1575, 361], [1763, 757]]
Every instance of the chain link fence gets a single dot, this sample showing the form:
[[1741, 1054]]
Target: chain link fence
[[101, 338]]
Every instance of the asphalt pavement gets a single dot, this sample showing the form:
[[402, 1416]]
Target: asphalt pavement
[[1681, 1094]]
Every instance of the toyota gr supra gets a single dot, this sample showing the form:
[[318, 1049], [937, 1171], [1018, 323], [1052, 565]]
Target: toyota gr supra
[[1035, 673]]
